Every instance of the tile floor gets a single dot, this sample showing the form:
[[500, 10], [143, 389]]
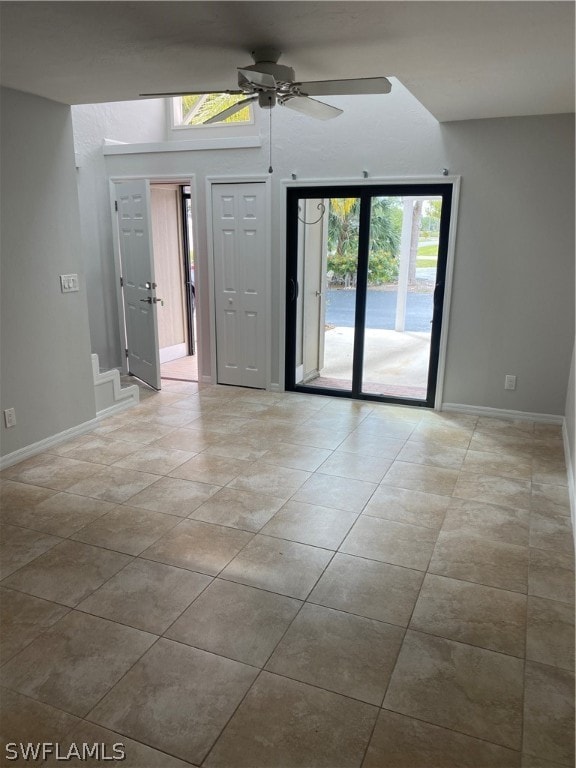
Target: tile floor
[[224, 577]]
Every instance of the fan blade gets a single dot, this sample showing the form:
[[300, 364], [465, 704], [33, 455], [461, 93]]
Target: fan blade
[[229, 111], [350, 87], [190, 93], [253, 77], [311, 107]]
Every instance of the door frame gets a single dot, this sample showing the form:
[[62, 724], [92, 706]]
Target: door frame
[[248, 179], [181, 179], [359, 183]]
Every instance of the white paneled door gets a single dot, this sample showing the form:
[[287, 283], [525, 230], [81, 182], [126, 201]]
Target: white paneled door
[[137, 260], [240, 268]]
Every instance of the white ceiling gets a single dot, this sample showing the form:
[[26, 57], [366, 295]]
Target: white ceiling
[[462, 60]]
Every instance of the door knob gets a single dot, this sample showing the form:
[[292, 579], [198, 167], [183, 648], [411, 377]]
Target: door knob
[[158, 300], [318, 293]]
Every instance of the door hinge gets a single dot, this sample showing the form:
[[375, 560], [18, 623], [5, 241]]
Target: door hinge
[[126, 351], [116, 205], [121, 282]]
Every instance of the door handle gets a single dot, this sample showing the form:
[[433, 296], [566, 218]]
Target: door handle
[[148, 300], [318, 293], [294, 289], [158, 300]]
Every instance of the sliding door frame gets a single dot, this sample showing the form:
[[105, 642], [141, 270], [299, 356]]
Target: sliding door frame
[[447, 189]]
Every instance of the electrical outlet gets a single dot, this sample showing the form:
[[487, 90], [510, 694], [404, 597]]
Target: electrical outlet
[[510, 382], [68, 283], [10, 417]]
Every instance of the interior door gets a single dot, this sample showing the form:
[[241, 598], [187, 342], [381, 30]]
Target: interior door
[[137, 263], [240, 259]]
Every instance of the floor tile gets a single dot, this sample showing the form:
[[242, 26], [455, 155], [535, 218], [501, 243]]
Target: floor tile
[[140, 432], [173, 496], [217, 470], [550, 633], [67, 573], [316, 437], [19, 546], [127, 529], [474, 558], [279, 566], [457, 686], [242, 623], [551, 575], [502, 465], [64, 513], [310, 524], [355, 466], [192, 441], [113, 484], [502, 444], [531, 761], [101, 450], [296, 456], [551, 532], [432, 454], [552, 472], [357, 659], [553, 499], [337, 492], [453, 435], [23, 618], [505, 524], [146, 595], [285, 723], [510, 427], [76, 662], [136, 755], [155, 459], [402, 742], [549, 713], [492, 489], [390, 542], [239, 448], [372, 445], [418, 477], [56, 472], [182, 714], [238, 509], [25, 720], [405, 506], [270, 480], [198, 546], [471, 613], [369, 588], [15, 496]]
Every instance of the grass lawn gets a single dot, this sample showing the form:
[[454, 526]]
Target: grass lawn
[[426, 262], [431, 249]]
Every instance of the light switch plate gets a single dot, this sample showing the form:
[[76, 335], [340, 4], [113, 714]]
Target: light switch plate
[[68, 283]]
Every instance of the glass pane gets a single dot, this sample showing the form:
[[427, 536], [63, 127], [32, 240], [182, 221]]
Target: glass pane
[[326, 306], [404, 236]]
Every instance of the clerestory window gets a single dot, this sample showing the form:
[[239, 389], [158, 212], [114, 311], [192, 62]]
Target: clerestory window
[[193, 110]]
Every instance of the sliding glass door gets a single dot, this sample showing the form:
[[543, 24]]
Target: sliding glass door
[[365, 280]]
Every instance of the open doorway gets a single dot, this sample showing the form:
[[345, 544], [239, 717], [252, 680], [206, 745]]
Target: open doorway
[[171, 211]]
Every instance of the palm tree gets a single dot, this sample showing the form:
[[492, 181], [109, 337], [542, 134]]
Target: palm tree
[[196, 108]]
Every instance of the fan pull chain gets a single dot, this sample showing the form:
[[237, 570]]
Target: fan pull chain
[[270, 169]]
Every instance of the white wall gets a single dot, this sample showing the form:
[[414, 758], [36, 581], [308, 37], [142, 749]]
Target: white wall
[[514, 267], [570, 415], [123, 122], [45, 342]]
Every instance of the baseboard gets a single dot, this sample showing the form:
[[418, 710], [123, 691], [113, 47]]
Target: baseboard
[[501, 413], [274, 388], [42, 445], [206, 379], [570, 473]]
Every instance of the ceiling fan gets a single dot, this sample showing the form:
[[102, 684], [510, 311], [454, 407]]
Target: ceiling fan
[[270, 83]]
